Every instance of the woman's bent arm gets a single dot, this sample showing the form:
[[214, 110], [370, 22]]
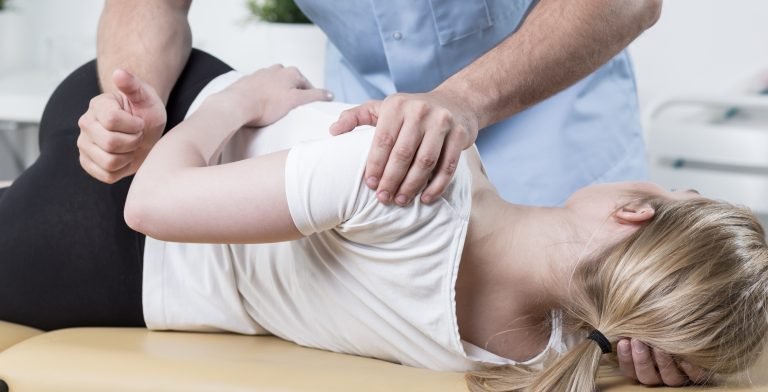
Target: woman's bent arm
[[177, 196]]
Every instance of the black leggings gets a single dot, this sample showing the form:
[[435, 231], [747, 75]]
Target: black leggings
[[67, 257]]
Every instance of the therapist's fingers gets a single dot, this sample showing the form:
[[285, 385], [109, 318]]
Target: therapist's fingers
[[97, 171], [130, 85], [446, 168], [113, 117], [110, 162], [96, 130], [384, 139], [423, 164], [115, 142], [411, 123], [365, 114], [398, 162]]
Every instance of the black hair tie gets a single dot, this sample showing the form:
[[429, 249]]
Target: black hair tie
[[601, 340]]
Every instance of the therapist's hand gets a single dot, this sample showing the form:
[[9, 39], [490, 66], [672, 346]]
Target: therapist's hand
[[418, 141], [647, 366], [119, 129]]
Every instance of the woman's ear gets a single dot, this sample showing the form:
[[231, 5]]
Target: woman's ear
[[634, 213]]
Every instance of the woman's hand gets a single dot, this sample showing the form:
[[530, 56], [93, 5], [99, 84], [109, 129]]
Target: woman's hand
[[268, 94], [653, 368]]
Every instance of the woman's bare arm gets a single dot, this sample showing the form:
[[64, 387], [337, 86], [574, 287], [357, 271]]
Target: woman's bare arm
[[178, 196]]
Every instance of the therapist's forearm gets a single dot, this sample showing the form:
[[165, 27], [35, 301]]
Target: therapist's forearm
[[149, 38], [559, 43]]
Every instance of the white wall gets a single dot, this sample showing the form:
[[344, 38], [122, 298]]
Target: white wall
[[702, 46], [227, 30], [57, 36], [697, 45], [51, 35]]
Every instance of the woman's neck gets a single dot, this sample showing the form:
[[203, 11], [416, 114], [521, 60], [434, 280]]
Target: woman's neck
[[514, 270]]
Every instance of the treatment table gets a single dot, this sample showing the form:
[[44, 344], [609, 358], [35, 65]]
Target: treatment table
[[135, 359]]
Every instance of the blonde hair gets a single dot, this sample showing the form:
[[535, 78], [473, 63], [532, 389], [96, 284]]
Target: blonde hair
[[691, 282]]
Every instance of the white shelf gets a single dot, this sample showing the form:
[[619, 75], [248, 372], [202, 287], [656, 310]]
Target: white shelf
[[723, 156], [24, 93]]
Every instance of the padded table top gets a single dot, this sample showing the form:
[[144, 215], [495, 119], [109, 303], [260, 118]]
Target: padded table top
[[134, 359], [11, 334]]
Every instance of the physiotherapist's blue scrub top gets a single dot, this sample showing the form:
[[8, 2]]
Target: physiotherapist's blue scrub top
[[588, 133]]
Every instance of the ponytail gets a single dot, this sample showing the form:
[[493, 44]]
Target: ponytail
[[574, 371]]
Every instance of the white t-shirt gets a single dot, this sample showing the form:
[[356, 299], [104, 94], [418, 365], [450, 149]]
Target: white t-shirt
[[367, 279]]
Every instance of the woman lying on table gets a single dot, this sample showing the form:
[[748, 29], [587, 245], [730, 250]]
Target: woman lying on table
[[522, 298]]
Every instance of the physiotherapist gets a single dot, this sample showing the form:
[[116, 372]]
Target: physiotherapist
[[544, 88]]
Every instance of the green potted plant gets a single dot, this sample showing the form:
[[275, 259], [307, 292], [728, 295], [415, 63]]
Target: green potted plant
[[11, 24], [275, 11], [290, 37]]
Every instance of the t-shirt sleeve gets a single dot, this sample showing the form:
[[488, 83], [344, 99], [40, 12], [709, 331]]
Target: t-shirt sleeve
[[323, 180]]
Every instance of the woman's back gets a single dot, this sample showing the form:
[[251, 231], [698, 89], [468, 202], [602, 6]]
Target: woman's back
[[386, 274]]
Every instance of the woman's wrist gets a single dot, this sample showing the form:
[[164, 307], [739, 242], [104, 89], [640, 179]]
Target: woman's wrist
[[231, 108]]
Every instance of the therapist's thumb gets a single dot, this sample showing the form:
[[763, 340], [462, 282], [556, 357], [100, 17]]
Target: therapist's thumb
[[131, 86], [365, 114]]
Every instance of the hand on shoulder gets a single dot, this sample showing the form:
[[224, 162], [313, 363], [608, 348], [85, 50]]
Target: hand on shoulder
[[418, 141]]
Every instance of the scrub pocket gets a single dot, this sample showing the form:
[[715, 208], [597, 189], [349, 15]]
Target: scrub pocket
[[458, 19]]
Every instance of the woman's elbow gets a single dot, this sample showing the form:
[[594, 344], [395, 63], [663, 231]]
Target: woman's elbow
[[140, 213], [133, 213]]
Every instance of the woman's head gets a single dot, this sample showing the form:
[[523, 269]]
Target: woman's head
[[692, 280], [604, 214]]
